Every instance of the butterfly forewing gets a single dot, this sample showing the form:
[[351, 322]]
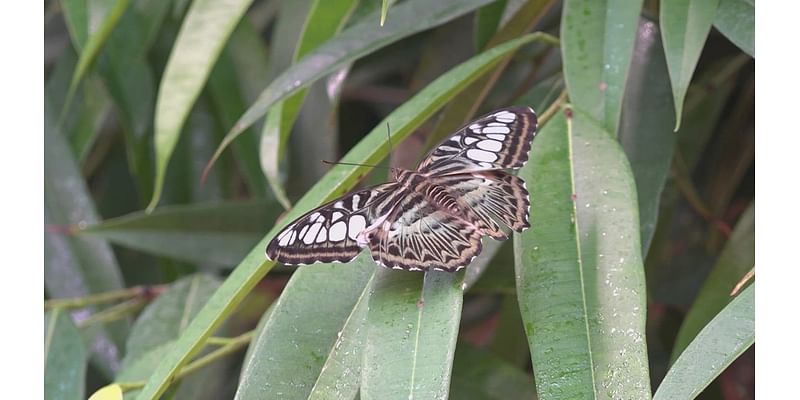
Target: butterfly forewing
[[500, 140], [329, 233]]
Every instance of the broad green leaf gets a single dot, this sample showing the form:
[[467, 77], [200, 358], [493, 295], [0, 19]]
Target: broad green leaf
[[203, 35], [323, 21], [580, 280], [218, 234], [94, 44], [737, 257], [478, 375], [64, 357], [319, 321], [351, 44], [684, 27], [717, 345], [736, 19], [597, 46], [412, 327], [341, 178], [646, 127], [157, 328], [76, 266]]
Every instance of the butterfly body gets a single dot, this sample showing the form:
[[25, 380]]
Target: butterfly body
[[430, 218]]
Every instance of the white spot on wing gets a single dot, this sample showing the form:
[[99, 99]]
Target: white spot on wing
[[496, 129], [475, 126], [311, 235], [480, 155], [496, 136], [338, 231], [336, 216], [284, 240], [470, 140], [490, 145], [355, 225], [323, 235], [356, 198]]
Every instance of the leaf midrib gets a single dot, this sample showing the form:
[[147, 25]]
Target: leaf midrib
[[571, 157]]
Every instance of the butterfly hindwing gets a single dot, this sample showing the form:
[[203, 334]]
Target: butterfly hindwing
[[500, 140], [420, 236], [329, 233], [491, 195]]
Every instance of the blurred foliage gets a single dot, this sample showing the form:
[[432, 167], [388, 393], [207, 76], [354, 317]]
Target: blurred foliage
[[180, 136]]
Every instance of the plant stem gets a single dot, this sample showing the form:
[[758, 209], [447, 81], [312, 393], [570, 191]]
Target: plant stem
[[105, 297], [114, 313]]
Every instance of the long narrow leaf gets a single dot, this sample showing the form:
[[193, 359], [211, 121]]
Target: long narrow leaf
[[199, 43], [353, 43], [737, 257], [580, 279], [76, 266], [646, 127], [94, 44], [64, 358], [721, 341], [341, 178], [320, 314], [219, 234], [597, 46], [684, 27], [324, 20], [412, 326], [736, 19]]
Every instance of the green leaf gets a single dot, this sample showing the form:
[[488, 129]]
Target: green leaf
[[156, 330], [229, 102], [324, 20], [321, 311], [412, 327], [737, 257], [597, 46], [94, 44], [353, 43], [646, 127], [736, 19], [684, 27], [219, 234], [580, 279], [76, 266], [341, 178], [203, 35], [717, 345], [463, 108], [487, 20], [64, 357], [478, 375], [168, 315]]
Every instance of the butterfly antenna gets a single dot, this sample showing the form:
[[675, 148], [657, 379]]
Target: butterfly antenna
[[356, 164]]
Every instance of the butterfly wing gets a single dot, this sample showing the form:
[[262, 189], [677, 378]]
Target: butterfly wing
[[499, 140], [419, 236], [490, 196], [329, 233]]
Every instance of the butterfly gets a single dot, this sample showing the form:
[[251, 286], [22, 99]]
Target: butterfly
[[433, 217]]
